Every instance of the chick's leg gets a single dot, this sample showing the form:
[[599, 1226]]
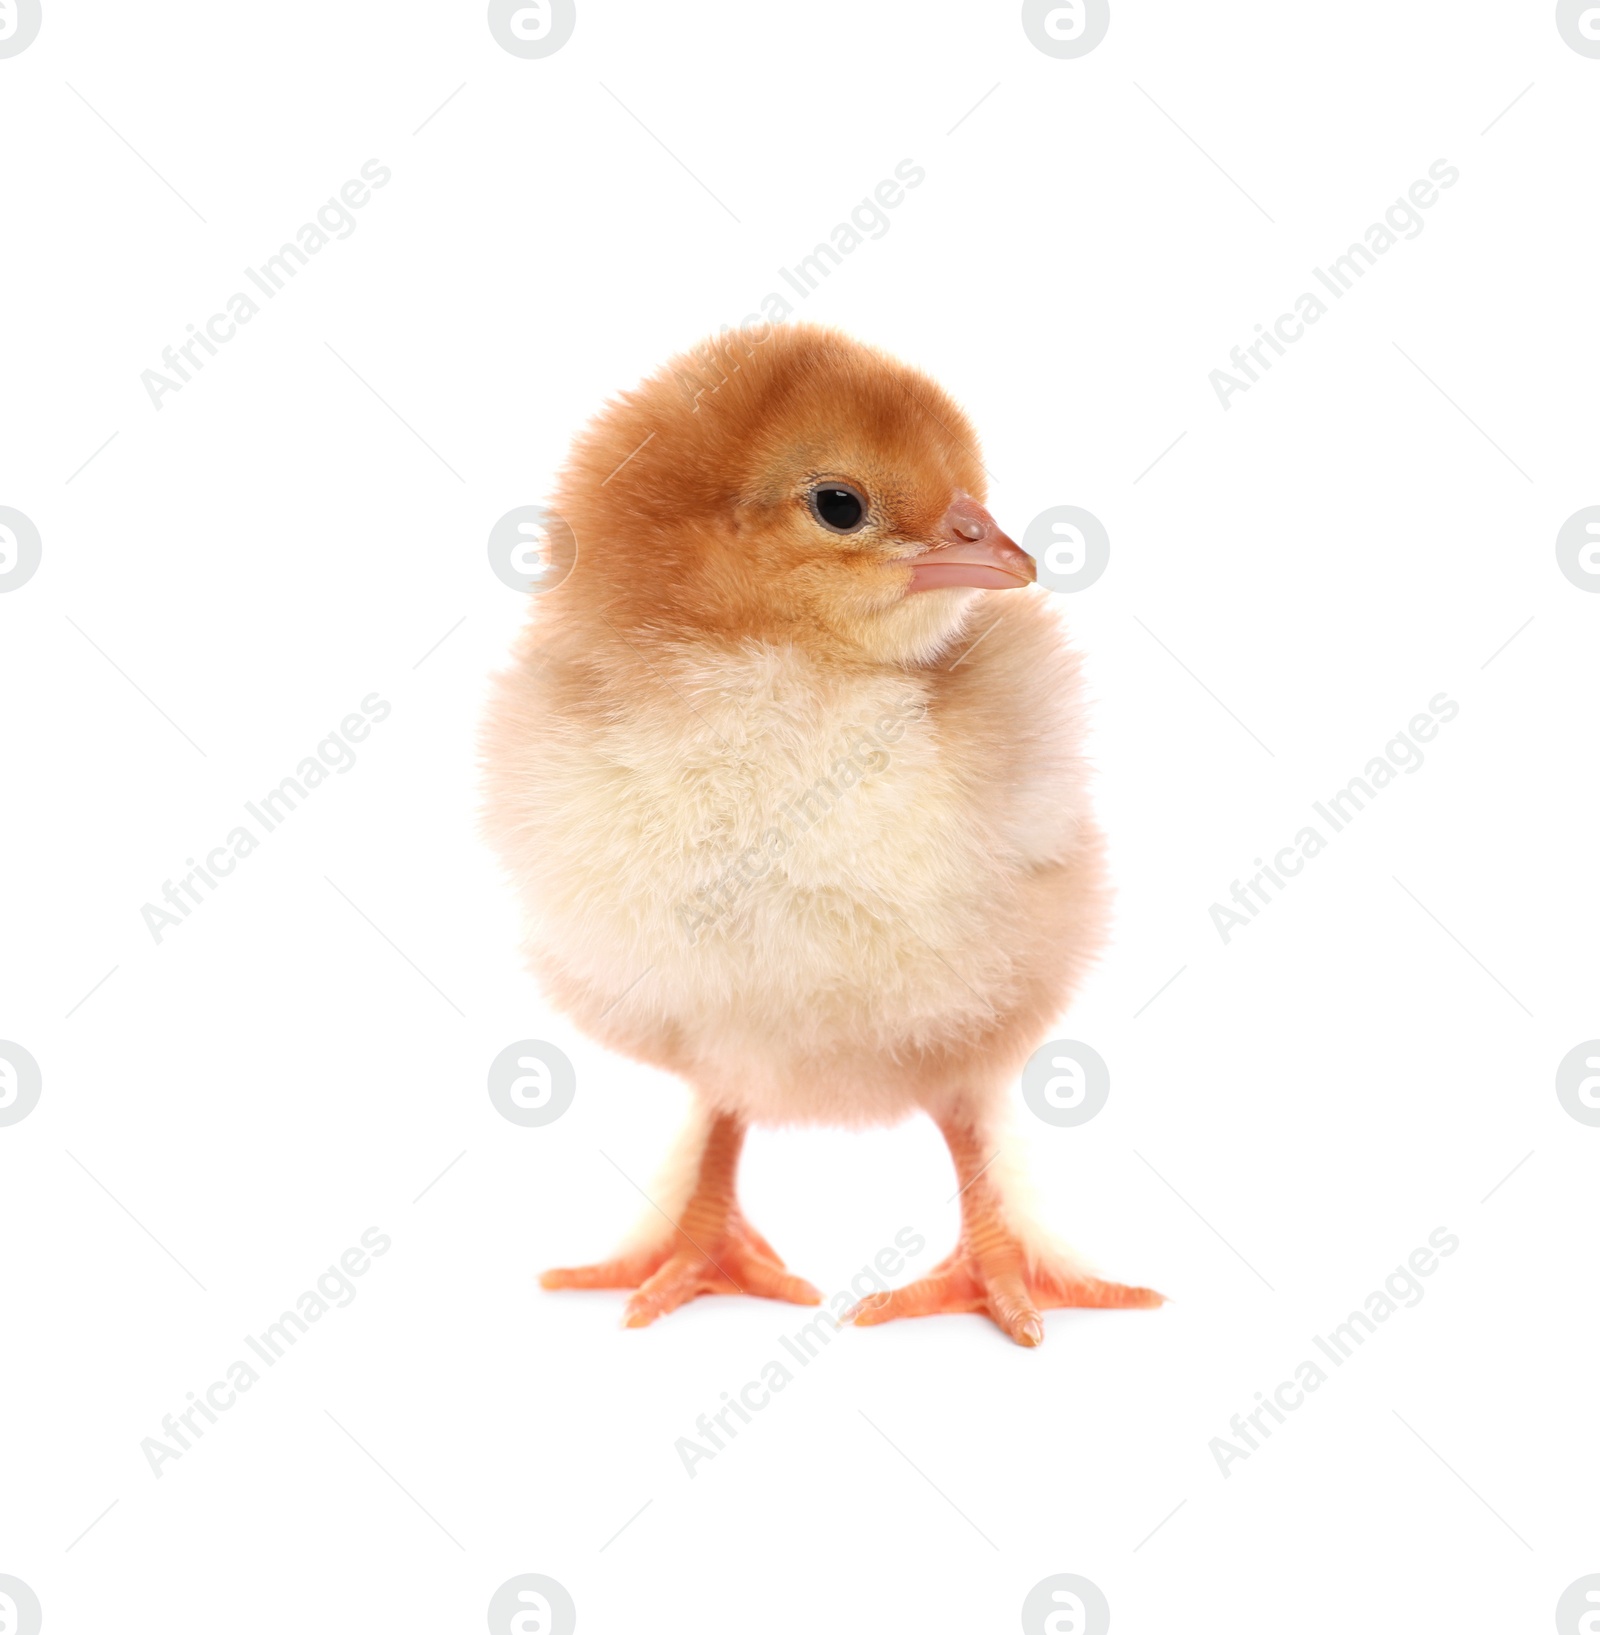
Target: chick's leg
[[710, 1248], [994, 1268]]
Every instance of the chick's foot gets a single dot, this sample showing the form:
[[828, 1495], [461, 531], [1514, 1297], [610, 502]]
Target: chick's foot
[[1001, 1284], [992, 1271], [710, 1249]]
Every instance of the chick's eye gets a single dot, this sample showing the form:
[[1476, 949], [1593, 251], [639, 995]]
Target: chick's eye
[[839, 508]]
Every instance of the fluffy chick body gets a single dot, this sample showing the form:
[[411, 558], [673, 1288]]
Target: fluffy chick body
[[819, 893], [795, 808]]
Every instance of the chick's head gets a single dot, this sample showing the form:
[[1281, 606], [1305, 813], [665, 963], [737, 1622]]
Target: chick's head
[[797, 487]]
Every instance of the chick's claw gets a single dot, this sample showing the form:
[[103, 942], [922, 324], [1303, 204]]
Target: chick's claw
[[712, 1248], [1004, 1288], [625, 1272], [733, 1266], [991, 1270], [736, 1261]]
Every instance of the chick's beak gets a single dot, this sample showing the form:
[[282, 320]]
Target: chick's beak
[[970, 550]]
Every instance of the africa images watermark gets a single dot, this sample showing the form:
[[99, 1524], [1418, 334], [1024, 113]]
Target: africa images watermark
[[864, 755], [803, 1346], [1402, 219], [333, 219], [1402, 1287], [1403, 753], [333, 1289], [336, 753], [708, 366]]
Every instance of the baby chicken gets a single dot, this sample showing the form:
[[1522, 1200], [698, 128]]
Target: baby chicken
[[787, 775]]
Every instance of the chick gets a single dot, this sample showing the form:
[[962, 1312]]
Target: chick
[[787, 775]]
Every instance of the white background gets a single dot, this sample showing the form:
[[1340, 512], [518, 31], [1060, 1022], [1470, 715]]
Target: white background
[[298, 1060]]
